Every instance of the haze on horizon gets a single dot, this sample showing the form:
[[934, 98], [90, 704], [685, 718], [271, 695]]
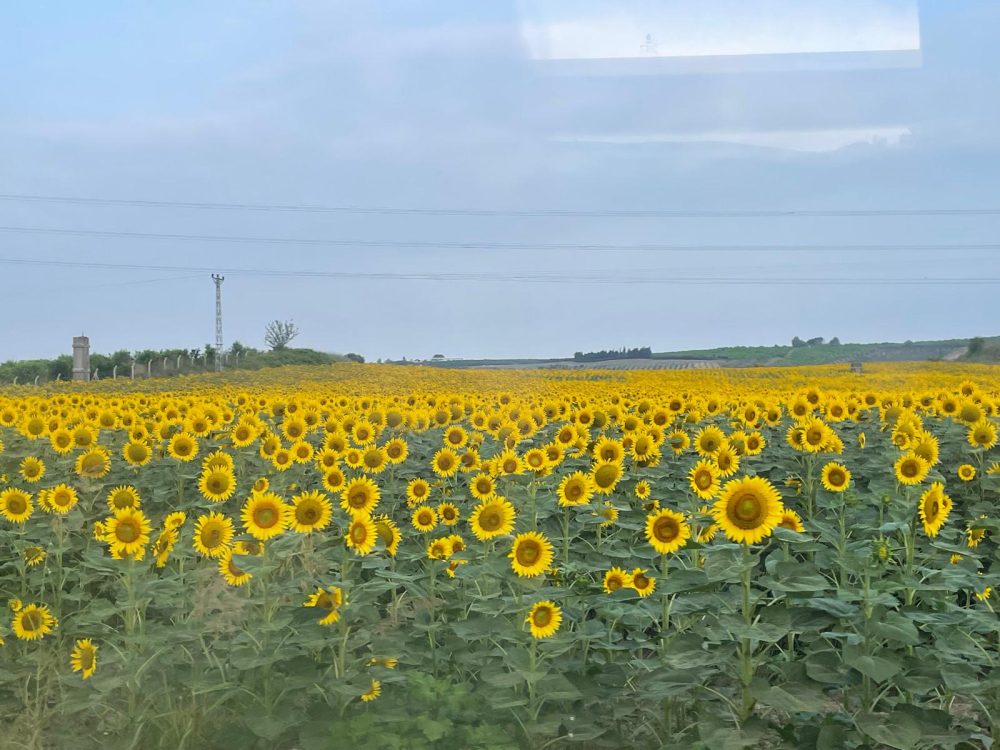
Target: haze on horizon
[[530, 105]]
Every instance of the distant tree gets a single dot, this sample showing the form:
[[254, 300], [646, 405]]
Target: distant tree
[[209, 352], [815, 341], [976, 345], [237, 348], [835, 341], [278, 334], [438, 356], [355, 358], [61, 365], [796, 342], [908, 342]]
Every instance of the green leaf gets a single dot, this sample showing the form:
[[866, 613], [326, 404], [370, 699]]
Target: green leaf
[[898, 730], [875, 667]]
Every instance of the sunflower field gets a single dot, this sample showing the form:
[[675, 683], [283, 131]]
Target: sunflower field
[[378, 557]]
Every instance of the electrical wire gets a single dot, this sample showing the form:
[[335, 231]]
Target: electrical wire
[[487, 245], [539, 212]]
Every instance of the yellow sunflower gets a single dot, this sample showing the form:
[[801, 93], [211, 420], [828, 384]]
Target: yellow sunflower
[[667, 531], [361, 534], [183, 447], [136, 453], [33, 621], [641, 583], [492, 518], [575, 489], [84, 658], [388, 532], [836, 477], [32, 469], [329, 599], [934, 509], [15, 505], [265, 515], [911, 469], [424, 518], [966, 472], [373, 692], [448, 514], [748, 509], [212, 534], [311, 511], [360, 497], [544, 619], [704, 479], [790, 520], [127, 531], [417, 491], [445, 462], [62, 498], [481, 486], [615, 579], [93, 464], [531, 554], [605, 475], [982, 434]]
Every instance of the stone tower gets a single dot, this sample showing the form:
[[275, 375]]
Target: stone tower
[[81, 358]]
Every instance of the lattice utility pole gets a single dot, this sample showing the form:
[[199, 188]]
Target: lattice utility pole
[[218, 320]]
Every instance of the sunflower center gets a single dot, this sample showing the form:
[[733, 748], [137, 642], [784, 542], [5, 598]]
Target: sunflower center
[[908, 469], [640, 581], [16, 505], [703, 479], [265, 517], [489, 520], [32, 620], [358, 533], [606, 476], [836, 477], [211, 537], [666, 529], [127, 531], [358, 499], [614, 583], [574, 490], [528, 553], [542, 617]]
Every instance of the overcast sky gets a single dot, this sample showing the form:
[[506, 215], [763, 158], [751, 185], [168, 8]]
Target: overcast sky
[[506, 104]]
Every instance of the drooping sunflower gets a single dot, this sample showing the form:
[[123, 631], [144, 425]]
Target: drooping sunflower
[[481, 486], [212, 534], [492, 518], [748, 509], [175, 520], [911, 469], [360, 497], [417, 491], [605, 475], [643, 584], [836, 477], [679, 441], [84, 658], [704, 479], [445, 462], [163, 546], [232, 573], [127, 531], [329, 599], [791, 520], [531, 554], [33, 621], [966, 472], [974, 534], [934, 508], [424, 518], [667, 531], [373, 692], [544, 619], [361, 534], [615, 579], [93, 464], [388, 532], [265, 515], [575, 489], [34, 555]]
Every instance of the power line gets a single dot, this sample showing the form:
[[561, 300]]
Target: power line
[[484, 245], [590, 277], [539, 212]]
